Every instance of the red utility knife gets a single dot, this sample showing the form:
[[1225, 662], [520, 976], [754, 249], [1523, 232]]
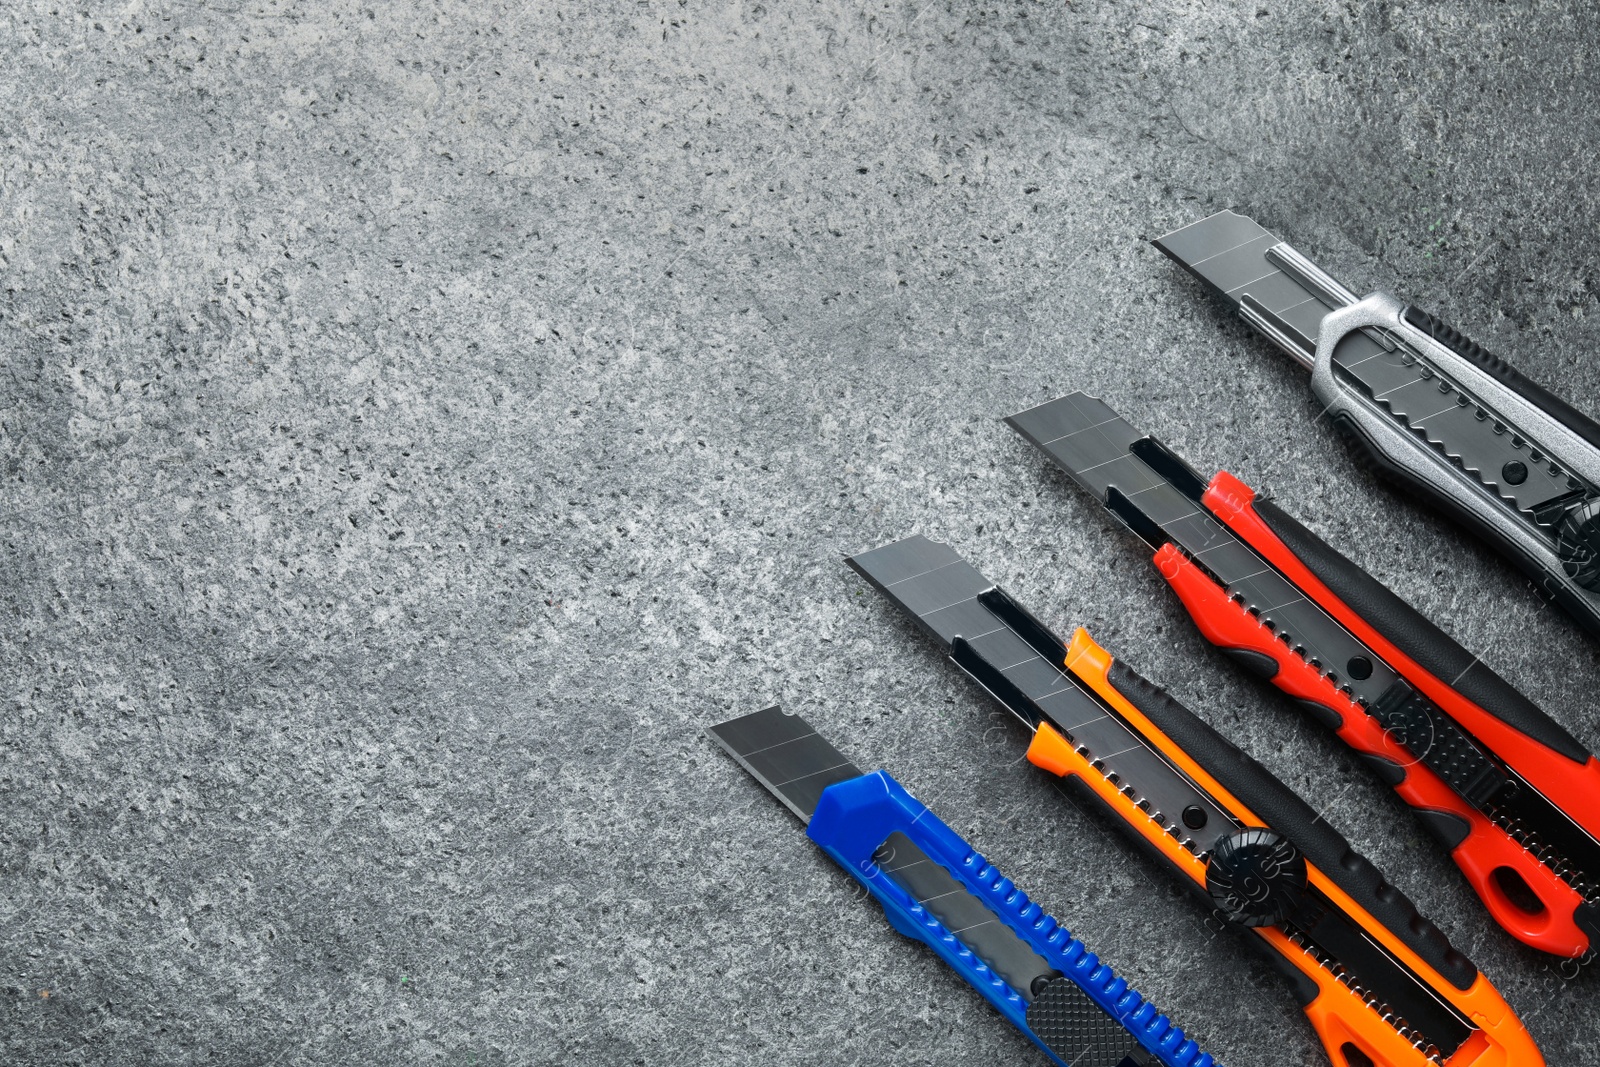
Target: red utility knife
[[1511, 794]]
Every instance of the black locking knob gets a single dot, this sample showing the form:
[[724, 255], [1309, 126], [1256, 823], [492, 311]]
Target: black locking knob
[[1256, 877], [1578, 543]]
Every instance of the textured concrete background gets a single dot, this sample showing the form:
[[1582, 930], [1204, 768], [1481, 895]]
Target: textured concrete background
[[418, 420]]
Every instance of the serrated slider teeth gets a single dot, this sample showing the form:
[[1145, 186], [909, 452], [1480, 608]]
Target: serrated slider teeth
[[1547, 854], [1291, 641], [1346, 978], [1139, 802]]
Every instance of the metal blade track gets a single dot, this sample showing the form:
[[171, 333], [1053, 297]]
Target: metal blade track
[[1022, 665], [1460, 428]]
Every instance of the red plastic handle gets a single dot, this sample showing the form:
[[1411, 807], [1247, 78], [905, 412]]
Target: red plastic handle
[[1485, 854], [1573, 785]]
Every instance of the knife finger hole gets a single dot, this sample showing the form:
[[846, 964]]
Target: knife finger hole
[[1353, 1056], [1517, 891]]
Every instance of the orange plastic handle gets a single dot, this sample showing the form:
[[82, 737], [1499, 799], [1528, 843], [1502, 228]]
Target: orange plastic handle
[[1348, 1028]]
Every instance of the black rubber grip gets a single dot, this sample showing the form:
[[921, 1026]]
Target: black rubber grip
[[1387, 770], [1322, 845], [1447, 828], [1321, 713], [1257, 663], [1504, 373], [1418, 638]]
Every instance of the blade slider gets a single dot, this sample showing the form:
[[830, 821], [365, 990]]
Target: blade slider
[[1288, 639]]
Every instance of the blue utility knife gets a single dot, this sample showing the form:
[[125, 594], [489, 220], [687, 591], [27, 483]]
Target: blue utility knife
[[937, 889]]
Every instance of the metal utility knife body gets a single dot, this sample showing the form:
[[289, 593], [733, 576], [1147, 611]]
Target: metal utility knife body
[[1429, 407], [1380, 983], [1512, 795], [935, 888]]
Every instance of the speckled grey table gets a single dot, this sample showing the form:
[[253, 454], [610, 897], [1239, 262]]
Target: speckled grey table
[[417, 420]]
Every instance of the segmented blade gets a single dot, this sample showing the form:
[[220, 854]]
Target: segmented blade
[[1087, 440], [786, 755], [964, 916], [1011, 656], [1159, 496], [1228, 252], [796, 764], [1242, 262]]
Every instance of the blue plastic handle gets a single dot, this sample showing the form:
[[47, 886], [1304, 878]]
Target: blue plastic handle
[[855, 817]]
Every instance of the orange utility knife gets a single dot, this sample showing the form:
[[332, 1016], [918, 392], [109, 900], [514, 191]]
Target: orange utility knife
[[1380, 983]]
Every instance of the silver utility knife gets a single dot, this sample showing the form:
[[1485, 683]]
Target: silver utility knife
[[1428, 406]]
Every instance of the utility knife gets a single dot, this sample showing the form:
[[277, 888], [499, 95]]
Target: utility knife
[[1511, 794], [1380, 983], [1424, 404], [936, 888]]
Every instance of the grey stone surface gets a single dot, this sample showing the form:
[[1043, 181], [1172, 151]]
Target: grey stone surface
[[418, 420]]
